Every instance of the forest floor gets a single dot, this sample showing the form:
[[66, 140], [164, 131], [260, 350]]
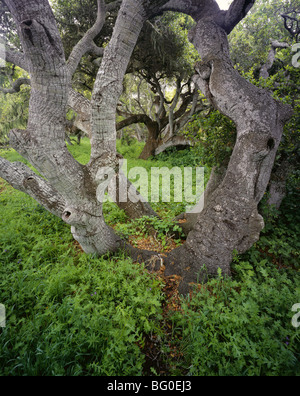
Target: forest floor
[[72, 314]]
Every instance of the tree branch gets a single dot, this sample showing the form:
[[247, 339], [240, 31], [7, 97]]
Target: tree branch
[[237, 11], [197, 107], [195, 8], [44, 140], [108, 84], [112, 6], [134, 119], [173, 105], [95, 50], [264, 71], [15, 57], [294, 25], [86, 43], [16, 86], [22, 178]]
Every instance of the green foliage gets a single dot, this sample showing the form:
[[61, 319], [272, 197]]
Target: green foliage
[[130, 149], [163, 229], [279, 240], [250, 40], [175, 157], [81, 153], [163, 46], [234, 328], [164, 49], [13, 107], [214, 136], [13, 112], [242, 325], [68, 313], [73, 314]]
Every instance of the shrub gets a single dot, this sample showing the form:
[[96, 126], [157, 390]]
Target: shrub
[[242, 328]]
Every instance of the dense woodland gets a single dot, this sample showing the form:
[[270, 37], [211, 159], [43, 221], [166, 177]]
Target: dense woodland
[[122, 309]]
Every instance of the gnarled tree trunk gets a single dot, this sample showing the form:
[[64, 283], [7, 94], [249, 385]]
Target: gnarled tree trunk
[[230, 221]]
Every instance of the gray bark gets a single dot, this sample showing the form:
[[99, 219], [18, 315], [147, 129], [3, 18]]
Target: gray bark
[[82, 107], [108, 84], [277, 185], [75, 101], [230, 221], [22, 178], [43, 143], [216, 178]]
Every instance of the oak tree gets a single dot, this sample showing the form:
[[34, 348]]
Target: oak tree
[[230, 220]]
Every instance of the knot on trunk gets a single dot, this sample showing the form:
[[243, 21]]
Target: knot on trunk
[[104, 177], [255, 225], [41, 37], [204, 70], [74, 217], [33, 32], [30, 181]]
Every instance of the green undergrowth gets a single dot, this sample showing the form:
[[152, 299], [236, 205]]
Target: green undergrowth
[[242, 326], [69, 313], [167, 210]]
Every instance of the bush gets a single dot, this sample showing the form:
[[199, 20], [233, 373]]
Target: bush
[[175, 157], [242, 328], [242, 325]]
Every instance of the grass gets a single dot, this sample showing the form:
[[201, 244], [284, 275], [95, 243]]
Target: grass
[[74, 314]]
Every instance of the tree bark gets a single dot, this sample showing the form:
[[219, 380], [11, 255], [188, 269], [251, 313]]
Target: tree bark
[[277, 185], [152, 140], [216, 178], [43, 143], [174, 141], [82, 106], [230, 221], [22, 178]]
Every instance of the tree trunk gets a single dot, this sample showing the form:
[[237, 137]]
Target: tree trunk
[[133, 209], [174, 141], [75, 186], [216, 177], [277, 186], [230, 221], [152, 140], [82, 106]]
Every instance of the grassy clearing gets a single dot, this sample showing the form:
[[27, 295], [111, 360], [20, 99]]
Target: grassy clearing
[[73, 314]]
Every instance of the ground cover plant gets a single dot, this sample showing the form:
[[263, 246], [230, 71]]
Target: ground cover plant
[[74, 314]]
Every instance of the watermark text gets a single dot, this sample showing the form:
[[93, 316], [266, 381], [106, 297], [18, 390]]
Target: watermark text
[[296, 318]]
